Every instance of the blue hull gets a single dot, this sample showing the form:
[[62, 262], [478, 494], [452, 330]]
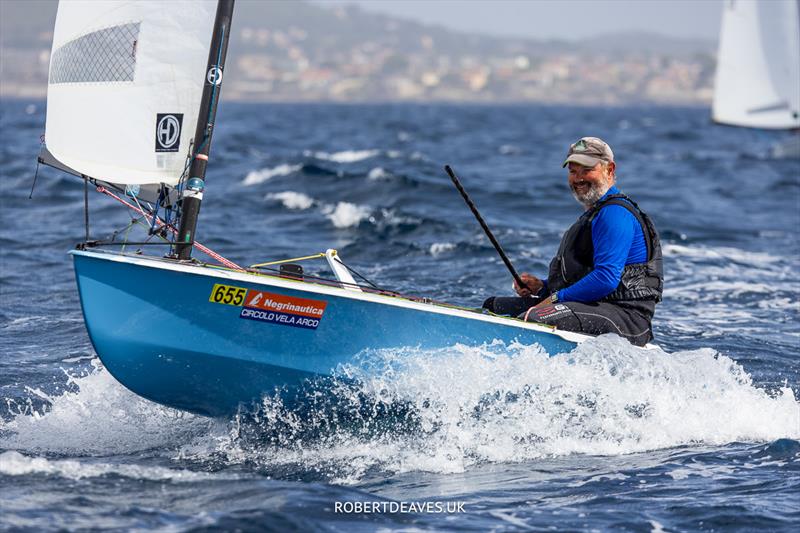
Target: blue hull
[[174, 334]]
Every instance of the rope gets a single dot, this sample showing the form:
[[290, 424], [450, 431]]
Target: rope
[[315, 256], [207, 251], [359, 275]]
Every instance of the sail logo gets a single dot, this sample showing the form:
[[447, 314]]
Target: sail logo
[[214, 76], [168, 132]]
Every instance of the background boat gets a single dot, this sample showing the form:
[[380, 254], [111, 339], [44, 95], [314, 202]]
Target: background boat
[[758, 69]]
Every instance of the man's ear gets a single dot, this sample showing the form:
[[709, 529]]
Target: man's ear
[[612, 167]]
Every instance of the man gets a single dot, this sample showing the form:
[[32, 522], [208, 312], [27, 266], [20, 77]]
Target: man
[[607, 276]]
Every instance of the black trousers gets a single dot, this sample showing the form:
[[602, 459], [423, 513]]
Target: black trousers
[[590, 318]]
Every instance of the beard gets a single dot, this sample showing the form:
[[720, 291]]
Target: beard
[[593, 193]]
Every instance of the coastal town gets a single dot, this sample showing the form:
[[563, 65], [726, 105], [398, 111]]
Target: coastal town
[[346, 54]]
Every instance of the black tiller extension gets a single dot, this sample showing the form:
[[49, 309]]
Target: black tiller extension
[[486, 229]]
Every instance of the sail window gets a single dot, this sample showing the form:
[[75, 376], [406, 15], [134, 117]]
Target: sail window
[[107, 55]]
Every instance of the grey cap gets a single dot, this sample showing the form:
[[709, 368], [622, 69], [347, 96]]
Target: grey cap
[[589, 151]]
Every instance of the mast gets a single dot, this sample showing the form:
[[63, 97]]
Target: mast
[[193, 190]]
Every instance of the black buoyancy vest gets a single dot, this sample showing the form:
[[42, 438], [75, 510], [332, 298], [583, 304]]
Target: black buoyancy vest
[[639, 282]]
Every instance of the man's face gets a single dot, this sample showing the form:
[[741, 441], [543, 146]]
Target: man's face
[[589, 184]]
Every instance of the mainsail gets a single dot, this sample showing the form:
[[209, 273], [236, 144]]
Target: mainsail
[[758, 65], [125, 87]]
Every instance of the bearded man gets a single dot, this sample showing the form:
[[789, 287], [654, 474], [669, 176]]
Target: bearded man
[[607, 276]]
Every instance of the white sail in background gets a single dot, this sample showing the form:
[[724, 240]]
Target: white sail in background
[[126, 80], [758, 65]]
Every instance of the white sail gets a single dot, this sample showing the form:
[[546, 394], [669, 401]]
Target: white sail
[[126, 80], [758, 65]]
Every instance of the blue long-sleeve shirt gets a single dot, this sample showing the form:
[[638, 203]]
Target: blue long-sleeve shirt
[[618, 240]]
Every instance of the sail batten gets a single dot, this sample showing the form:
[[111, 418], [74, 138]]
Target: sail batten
[[758, 66], [125, 85]]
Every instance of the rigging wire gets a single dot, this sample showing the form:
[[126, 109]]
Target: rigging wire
[[35, 175], [352, 270], [211, 253], [85, 205]]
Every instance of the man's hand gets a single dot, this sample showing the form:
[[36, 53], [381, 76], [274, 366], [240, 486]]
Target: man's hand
[[532, 285]]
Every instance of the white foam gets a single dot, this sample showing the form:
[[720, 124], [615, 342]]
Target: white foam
[[467, 405], [501, 403], [77, 358], [13, 463], [345, 156], [439, 248], [509, 149], [259, 176], [96, 415], [27, 323], [599, 477], [757, 259], [390, 217], [346, 215], [292, 200], [378, 173], [712, 289], [702, 470]]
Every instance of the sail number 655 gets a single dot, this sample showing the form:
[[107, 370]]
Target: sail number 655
[[227, 294]]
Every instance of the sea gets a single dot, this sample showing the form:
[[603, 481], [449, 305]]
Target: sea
[[701, 433]]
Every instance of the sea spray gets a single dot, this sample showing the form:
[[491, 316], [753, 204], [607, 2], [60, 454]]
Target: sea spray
[[461, 406], [436, 410], [95, 416]]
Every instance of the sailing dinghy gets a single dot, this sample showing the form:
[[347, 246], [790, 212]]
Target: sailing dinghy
[[757, 82], [132, 96]]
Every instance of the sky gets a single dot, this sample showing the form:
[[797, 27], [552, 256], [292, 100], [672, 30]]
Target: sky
[[562, 19]]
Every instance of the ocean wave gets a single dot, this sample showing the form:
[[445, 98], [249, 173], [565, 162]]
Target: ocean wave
[[411, 409], [439, 248], [292, 199], [13, 463], [345, 214], [448, 410], [509, 149], [255, 177], [378, 173], [26, 323], [756, 259], [345, 156], [724, 289], [94, 416]]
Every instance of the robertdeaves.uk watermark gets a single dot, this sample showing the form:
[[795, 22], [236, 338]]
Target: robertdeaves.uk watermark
[[378, 507]]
